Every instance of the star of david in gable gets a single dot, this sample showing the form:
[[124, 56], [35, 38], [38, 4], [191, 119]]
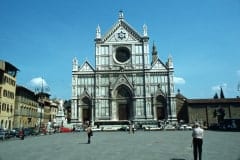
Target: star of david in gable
[[121, 35]]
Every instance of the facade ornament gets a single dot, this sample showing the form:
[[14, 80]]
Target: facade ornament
[[170, 61], [85, 88], [121, 68], [121, 16], [75, 64], [145, 34], [98, 32]]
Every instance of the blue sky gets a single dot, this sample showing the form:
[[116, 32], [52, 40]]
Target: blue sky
[[41, 37]]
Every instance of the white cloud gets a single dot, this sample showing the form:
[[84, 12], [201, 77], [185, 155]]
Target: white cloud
[[38, 82], [238, 73], [179, 80]]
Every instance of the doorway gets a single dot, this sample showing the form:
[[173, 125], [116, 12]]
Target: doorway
[[124, 103], [161, 107], [123, 112], [86, 110]]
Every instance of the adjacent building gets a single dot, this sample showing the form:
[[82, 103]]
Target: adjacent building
[[209, 111], [44, 108], [26, 108], [124, 85], [8, 74]]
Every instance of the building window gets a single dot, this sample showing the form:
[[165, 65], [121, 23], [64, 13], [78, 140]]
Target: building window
[[11, 109], [3, 107], [7, 107]]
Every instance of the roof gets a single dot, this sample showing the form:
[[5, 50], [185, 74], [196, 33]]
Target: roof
[[122, 23], [6, 66], [213, 101], [180, 96]]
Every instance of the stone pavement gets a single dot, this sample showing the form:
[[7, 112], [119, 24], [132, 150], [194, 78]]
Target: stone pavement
[[143, 145]]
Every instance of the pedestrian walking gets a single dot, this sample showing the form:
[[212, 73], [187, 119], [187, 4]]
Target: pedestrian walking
[[89, 133], [197, 141], [133, 128]]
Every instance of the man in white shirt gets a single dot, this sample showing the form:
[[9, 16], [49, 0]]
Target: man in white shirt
[[197, 135]]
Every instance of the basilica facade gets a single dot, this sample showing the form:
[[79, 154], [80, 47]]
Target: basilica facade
[[124, 84]]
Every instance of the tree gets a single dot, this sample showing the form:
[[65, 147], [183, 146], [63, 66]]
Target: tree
[[215, 96], [221, 93]]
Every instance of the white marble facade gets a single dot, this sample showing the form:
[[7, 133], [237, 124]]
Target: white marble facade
[[124, 84]]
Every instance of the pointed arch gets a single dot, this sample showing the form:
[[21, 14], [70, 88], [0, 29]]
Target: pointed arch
[[123, 96], [160, 107], [85, 107]]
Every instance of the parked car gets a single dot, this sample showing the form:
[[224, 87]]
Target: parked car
[[65, 129], [2, 135], [185, 127], [79, 129]]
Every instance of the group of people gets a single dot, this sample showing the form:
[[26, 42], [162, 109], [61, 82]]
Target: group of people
[[197, 141]]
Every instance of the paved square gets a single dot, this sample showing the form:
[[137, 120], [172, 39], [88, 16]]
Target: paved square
[[148, 145]]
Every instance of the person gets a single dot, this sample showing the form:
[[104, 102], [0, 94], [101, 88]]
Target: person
[[133, 128], [21, 134], [89, 133], [197, 135], [130, 127]]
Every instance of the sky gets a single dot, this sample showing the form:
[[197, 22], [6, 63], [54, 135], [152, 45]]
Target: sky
[[41, 37]]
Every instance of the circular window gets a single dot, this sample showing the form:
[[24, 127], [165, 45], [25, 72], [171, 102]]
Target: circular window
[[122, 54]]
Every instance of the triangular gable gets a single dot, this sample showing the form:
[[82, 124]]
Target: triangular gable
[[123, 26], [122, 79], [159, 91], [85, 94], [86, 67], [158, 64]]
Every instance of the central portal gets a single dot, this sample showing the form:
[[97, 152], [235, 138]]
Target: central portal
[[124, 101], [123, 112]]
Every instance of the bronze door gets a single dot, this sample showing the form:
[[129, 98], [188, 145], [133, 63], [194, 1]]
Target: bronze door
[[122, 112], [160, 113], [86, 114]]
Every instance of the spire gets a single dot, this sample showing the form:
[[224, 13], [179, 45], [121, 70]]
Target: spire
[[154, 53], [221, 93], [121, 16], [170, 61], [154, 49], [98, 32], [75, 64], [145, 34], [215, 96]]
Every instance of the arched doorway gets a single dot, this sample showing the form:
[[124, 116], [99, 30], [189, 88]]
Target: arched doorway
[[124, 103], [86, 109], [161, 107]]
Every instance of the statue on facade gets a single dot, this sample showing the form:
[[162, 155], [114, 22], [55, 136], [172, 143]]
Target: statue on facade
[[145, 34]]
